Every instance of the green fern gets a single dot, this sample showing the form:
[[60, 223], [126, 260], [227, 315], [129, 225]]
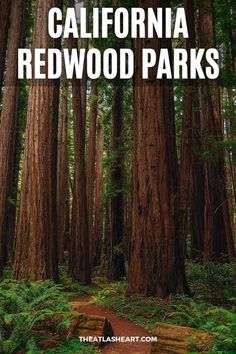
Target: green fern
[[22, 306]]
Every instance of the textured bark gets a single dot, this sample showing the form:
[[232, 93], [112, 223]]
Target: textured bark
[[232, 97], [185, 153], [9, 122], [98, 209], [91, 154], [63, 175], [116, 265], [218, 235], [80, 243], [191, 149], [83, 82], [5, 9], [36, 243], [11, 213], [179, 340], [155, 266]]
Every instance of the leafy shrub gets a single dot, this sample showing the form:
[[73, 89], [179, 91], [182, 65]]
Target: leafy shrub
[[22, 306], [214, 282], [73, 289], [178, 310], [203, 316], [142, 310], [115, 289]]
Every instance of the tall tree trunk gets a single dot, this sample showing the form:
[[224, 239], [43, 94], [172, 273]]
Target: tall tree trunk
[[11, 213], [116, 264], [186, 141], [218, 235], [232, 95], [63, 175], [98, 215], [80, 237], [191, 149], [80, 245], [116, 258], [155, 267], [91, 165], [9, 122], [5, 9], [36, 243], [85, 45]]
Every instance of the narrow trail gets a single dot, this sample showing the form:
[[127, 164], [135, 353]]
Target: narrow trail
[[121, 327]]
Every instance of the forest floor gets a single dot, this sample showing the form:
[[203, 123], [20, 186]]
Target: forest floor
[[121, 327], [24, 307]]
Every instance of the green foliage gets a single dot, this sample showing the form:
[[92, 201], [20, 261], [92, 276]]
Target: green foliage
[[74, 289], [22, 306], [145, 311], [216, 320], [214, 282], [225, 326]]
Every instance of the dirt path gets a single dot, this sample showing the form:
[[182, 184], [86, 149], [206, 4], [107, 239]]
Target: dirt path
[[121, 327]]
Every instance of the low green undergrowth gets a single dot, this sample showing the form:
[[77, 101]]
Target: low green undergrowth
[[24, 305], [24, 312], [212, 282], [212, 308], [74, 289]]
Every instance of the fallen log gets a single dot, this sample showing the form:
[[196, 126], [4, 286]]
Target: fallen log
[[180, 340], [91, 326], [81, 325]]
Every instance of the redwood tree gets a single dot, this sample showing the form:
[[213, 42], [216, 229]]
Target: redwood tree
[[91, 157], [218, 234], [98, 208], [116, 257], [9, 121], [155, 266], [116, 264], [80, 238], [5, 8], [63, 174], [191, 164], [36, 243]]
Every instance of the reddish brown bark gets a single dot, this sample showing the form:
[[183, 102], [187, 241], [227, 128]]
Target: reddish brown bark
[[5, 8], [218, 236], [155, 266], [91, 154], [36, 243], [63, 175], [98, 216], [9, 122], [185, 153], [191, 169], [80, 239], [231, 96], [116, 265]]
